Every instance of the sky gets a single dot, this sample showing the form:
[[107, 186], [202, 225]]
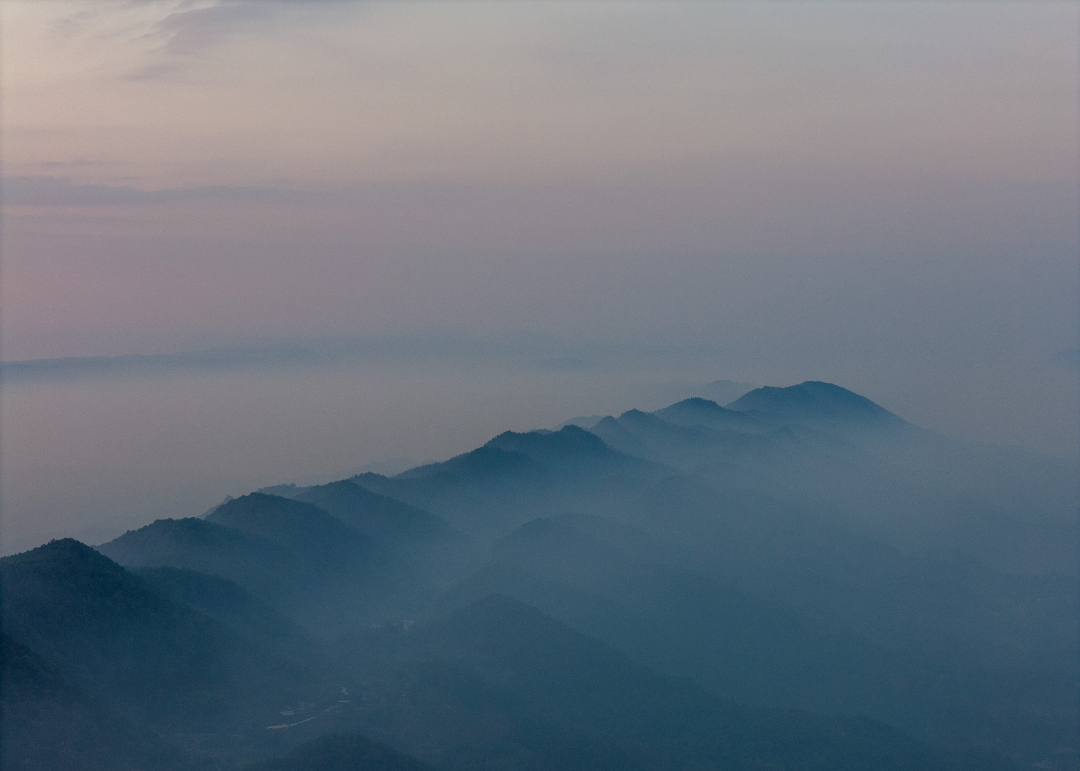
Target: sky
[[878, 194]]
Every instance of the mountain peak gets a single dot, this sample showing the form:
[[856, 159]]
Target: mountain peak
[[814, 401], [542, 445], [65, 556], [294, 524], [164, 540], [54, 549], [696, 411], [486, 462], [373, 514]]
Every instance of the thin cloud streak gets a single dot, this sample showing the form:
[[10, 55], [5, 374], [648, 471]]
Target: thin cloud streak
[[63, 191], [517, 352], [190, 32]]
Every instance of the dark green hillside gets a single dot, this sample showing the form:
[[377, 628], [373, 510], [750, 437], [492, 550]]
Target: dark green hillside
[[343, 752], [47, 723], [377, 516], [111, 633]]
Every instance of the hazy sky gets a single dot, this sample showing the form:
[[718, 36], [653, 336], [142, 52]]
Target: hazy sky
[[879, 194], [835, 176]]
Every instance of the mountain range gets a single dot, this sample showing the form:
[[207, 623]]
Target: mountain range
[[799, 579]]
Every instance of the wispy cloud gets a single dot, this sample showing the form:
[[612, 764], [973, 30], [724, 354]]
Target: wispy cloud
[[80, 162], [189, 31], [164, 37], [62, 191], [72, 24], [521, 351]]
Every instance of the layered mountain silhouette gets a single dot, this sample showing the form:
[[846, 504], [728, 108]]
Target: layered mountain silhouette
[[377, 516], [110, 633], [702, 412], [517, 475], [292, 554], [264, 566], [814, 402], [797, 580]]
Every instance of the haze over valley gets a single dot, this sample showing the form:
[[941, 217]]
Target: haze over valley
[[694, 585]]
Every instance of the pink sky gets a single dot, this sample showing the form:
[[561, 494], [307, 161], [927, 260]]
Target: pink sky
[[854, 174]]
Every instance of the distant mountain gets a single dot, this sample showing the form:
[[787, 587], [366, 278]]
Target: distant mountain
[[822, 448], [410, 551], [618, 436], [291, 554], [582, 600], [528, 458], [724, 391], [689, 441], [263, 566], [570, 449], [815, 402], [702, 412], [379, 517], [649, 422], [387, 467], [470, 491], [581, 421], [514, 477], [302, 527], [482, 464]]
